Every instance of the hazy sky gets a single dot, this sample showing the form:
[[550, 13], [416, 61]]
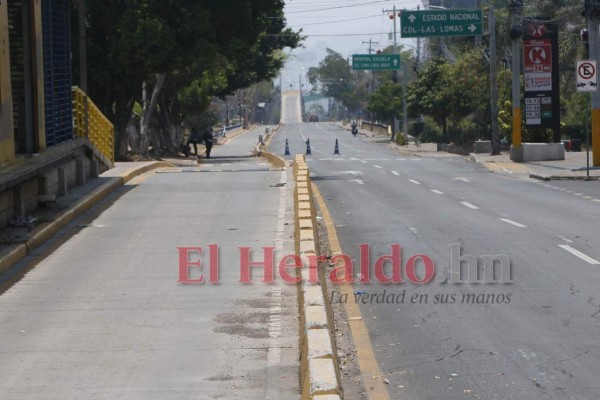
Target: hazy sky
[[341, 25]]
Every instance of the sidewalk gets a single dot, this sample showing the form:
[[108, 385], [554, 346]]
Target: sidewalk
[[106, 312], [18, 241], [573, 167]]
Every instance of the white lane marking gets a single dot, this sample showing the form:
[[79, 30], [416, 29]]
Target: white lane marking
[[508, 221], [596, 200], [527, 354], [359, 181], [579, 254], [507, 170], [363, 161], [471, 206], [437, 191], [466, 180], [395, 173], [415, 182], [274, 352], [588, 197], [377, 166], [351, 173], [565, 239], [578, 194], [413, 230]]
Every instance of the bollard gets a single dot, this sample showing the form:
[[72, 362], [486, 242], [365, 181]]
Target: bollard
[[337, 148], [308, 151], [287, 148]]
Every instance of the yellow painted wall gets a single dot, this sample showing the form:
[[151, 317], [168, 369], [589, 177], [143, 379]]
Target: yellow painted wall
[[7, 145], [38, 79]]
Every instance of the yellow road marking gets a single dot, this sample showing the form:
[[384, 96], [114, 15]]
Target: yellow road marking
[[371, 374]]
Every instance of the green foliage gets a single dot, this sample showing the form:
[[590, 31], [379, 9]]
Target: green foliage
[[537, 135], [400, 139], [204, 47], [429, 94], [334, 73], [466, 132], [386, 103], [431, 132], [575, 109]]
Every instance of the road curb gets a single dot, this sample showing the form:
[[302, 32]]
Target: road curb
[[12, 255], [563, 178], [319, 367], [261, 150]]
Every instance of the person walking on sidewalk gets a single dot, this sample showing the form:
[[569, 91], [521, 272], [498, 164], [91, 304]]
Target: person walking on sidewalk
[[208, 141], [194, 139]]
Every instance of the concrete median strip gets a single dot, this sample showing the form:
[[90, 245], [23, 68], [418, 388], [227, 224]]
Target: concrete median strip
[[261, 150], [319, 376], [41, 234]]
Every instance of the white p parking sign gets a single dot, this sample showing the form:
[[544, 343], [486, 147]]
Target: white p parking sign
[[587, 76]]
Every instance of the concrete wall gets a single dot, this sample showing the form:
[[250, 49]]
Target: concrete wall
[[6, 207], [483, 146], [376, 128], [23, 199], [538, 152]]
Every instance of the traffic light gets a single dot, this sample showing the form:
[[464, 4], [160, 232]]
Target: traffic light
[[585, 36]]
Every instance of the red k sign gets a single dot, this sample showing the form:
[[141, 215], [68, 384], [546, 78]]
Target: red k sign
[[537, 55]]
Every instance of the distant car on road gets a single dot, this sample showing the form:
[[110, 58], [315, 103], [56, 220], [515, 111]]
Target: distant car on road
[[313, 118]]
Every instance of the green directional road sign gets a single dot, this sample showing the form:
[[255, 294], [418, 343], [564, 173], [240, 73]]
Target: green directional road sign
[[376, 62], [440, 23]]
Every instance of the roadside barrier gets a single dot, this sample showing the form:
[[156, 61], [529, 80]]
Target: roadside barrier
[[101, 131], [263, 144], [319, 367]]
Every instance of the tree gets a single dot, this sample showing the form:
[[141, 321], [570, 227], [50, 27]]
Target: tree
[[190, 49], [429, 94], [386, 103]]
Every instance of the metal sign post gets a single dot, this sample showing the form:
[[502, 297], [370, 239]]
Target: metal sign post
[[587, 81]]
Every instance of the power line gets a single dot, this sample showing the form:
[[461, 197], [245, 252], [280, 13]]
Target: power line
[[331, 34], [333, 8], [335, 22]]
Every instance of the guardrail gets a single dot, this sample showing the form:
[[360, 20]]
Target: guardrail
[[101, 132]]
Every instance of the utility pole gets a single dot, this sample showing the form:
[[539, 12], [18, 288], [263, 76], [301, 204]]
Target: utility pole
[[418, 47], [371, 43], [494, 83], [516, 31], [395, 126], [592, 11], [371, 87]]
